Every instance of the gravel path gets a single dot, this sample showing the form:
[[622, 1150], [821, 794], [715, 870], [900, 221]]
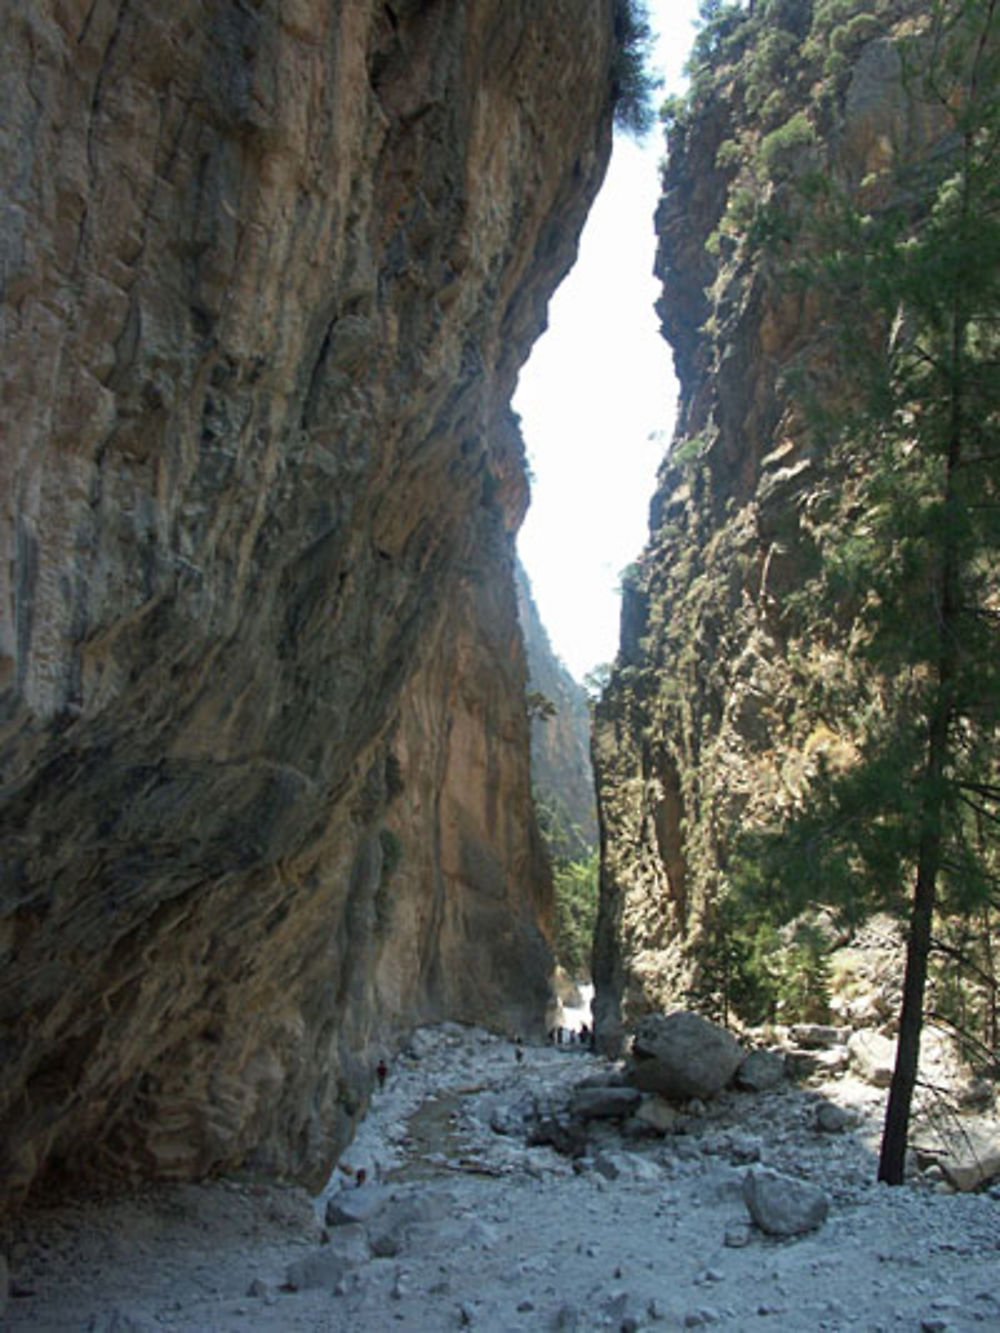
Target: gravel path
[[462, 1224]]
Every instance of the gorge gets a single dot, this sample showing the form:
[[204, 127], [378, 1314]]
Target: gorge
[[269, 273], [270, 269]]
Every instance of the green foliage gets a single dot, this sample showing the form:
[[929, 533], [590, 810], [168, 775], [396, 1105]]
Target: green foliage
[[539, 707], [912, 293], [686, 453], [750, 970], [779, 149], [718, 37], [576, 893], [728, 154], [595, 682], [633, 83]]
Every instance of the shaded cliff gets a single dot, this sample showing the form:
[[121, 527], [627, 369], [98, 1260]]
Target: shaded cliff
[[561, 768], [712, 720], [269, 273]]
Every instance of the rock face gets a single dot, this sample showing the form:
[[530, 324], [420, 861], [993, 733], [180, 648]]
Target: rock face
[[706, 725], [561, 767], [269, 273], [683, 1055]]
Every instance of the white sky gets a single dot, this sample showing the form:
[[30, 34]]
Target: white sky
[[598, 386]]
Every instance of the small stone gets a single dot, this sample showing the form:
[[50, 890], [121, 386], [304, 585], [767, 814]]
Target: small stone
[[782, 1205], [737, 1236], [831, 1119], [258, 1288], [525, 1306]]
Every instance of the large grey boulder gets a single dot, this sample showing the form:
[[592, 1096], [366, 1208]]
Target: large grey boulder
[[782, 1205], [683, 1055], [873, 1057]]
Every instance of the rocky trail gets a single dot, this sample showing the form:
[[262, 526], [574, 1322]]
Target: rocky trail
[[465, 1217]]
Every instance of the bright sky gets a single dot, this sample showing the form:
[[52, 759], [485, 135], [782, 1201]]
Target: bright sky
[[597, 397]]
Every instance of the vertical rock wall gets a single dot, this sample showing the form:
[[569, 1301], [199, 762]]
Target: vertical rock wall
[[560, 742], [269, 271], [706, 723]]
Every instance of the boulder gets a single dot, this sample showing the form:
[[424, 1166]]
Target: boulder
[[607, 1103], [823, 1063], [656, 1114], [782, 1205], [831, 1119], [762, 1069], [683, 1055], [356, 1205], [969, 1173], [555, 1128], [347, 1248], [409, 1215], [818, 1036], [873, 1057], [627, 1166]]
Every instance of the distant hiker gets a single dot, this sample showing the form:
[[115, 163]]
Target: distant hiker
[[360, 1176], [382, 1072], [518, 1049], [584, 1034]]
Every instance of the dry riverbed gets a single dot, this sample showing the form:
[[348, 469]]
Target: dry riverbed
[[460, 1223]]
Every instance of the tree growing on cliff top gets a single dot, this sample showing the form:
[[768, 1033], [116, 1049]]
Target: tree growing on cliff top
[[917, 287], [633, 83]]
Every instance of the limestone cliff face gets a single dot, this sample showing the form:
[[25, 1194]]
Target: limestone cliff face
[[561, 767], [705, 724], [269, 272]]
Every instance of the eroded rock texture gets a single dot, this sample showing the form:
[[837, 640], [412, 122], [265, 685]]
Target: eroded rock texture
[[269, 272], [707, 722]]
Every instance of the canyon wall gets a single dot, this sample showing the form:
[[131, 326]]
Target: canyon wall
[[269, 271], [561, 767], [709, 722]]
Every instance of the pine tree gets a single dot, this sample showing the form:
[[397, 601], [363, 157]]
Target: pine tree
[[917, 584]]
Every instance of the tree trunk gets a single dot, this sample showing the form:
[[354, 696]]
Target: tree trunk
[[892, 1158]]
